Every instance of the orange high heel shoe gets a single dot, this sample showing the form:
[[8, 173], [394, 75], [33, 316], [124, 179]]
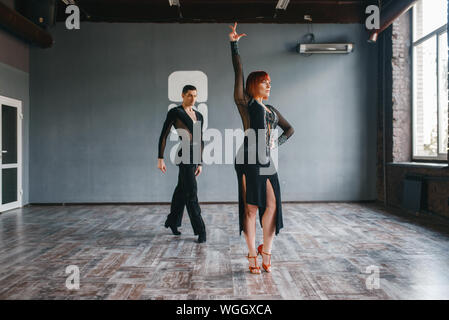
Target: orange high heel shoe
[[256, 269], [259, 251]]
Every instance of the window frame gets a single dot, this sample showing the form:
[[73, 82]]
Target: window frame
[[435, 34]]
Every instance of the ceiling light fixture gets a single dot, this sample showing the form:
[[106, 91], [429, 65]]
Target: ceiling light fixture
[[174, 3], [282, 4]]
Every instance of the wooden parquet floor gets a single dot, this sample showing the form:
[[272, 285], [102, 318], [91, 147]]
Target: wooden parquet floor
[[124, 252]]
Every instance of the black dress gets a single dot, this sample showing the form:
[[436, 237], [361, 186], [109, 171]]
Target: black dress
[[256, 117]]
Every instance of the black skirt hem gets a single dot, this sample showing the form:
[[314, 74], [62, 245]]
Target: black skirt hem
[[256, 193]]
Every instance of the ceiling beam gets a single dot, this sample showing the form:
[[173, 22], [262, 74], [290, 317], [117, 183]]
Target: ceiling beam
[[224, 11], [23, 28]]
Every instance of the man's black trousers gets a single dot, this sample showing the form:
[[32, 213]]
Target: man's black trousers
[[186, 195]]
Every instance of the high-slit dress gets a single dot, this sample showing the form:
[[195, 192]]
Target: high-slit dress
[[255, 165]]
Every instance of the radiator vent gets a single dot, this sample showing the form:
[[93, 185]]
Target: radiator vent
[[412, 195]]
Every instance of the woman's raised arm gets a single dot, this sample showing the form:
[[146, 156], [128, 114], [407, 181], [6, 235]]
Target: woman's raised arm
[[241, 98]]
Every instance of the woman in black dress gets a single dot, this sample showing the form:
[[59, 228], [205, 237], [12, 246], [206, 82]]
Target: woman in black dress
[[257, 190]]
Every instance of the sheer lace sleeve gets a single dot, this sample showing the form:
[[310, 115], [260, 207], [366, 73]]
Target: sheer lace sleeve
[[202, 140], [286, 127], [169, 121], [241, 98]]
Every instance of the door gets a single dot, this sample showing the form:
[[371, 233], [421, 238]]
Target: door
[[11, 153]]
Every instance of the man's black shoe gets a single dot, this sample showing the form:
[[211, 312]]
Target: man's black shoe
[[202, 238], [173, 229]]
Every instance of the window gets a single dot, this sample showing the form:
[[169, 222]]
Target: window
[[430, 80]]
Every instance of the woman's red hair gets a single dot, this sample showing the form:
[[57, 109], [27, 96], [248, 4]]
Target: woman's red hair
[[254, 78]]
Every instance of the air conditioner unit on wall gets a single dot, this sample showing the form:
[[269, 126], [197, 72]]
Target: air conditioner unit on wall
[[308, 48]]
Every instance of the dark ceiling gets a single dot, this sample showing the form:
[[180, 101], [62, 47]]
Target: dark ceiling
[[198, 11]]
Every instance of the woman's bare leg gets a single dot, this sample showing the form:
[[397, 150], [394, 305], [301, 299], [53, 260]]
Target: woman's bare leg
[[269, 222], [249, 224], [250, 229]]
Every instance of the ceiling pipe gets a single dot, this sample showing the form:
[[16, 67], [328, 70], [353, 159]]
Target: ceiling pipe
[[24, 28], [389, 14]]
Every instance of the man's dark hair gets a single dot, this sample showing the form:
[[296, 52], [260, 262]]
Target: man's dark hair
[[187, 88]]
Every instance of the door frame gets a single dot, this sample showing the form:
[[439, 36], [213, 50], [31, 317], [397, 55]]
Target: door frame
[[17, 104]]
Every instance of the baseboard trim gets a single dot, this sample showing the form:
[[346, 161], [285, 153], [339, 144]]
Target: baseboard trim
[[168, 203]]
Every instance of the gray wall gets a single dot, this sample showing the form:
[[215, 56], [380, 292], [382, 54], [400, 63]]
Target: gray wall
[[99, 98]]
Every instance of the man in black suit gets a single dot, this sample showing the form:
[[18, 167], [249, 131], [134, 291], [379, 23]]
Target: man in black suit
[[187, 122]]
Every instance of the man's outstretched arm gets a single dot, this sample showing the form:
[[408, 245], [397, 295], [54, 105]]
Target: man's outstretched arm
[[169, 121]]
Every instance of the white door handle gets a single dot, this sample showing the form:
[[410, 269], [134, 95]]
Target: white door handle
[[4, 151]]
